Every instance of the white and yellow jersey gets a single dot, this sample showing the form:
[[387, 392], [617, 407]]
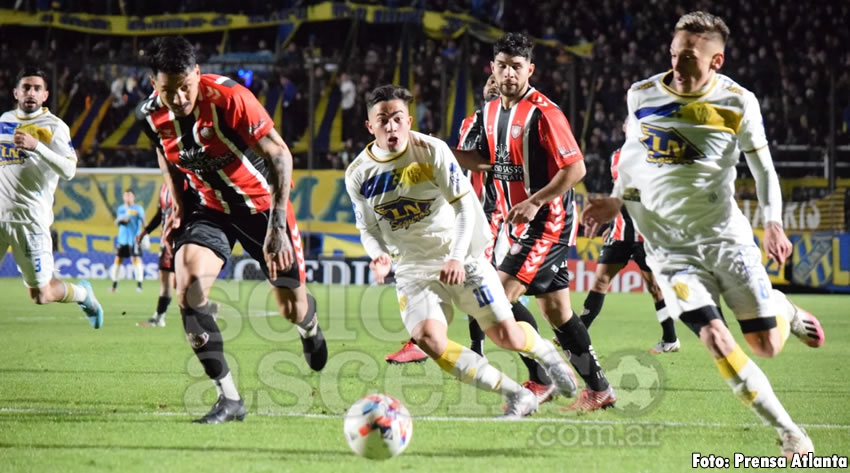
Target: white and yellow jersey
[[404, 199], [27, 182], [677, 166]]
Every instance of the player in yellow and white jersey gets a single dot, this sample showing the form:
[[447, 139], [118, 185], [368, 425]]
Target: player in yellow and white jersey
[[686, 130], [412, 201], [35, 151]]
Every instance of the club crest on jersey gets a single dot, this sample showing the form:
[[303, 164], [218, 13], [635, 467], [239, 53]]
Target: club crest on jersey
[[668, 146], [403, 212], [516, 130], [206, 132]]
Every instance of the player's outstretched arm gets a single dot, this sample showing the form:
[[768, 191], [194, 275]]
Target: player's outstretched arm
[[472, 160], [599, 212], [277, 248]]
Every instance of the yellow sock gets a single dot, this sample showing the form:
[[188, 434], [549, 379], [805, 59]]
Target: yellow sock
[[471, 368], [750, 384], [448, 359], [69, 292], [733, 363]]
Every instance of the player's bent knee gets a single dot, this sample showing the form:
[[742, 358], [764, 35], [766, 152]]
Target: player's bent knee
[[507, 335], [762, 336], [431, 342]]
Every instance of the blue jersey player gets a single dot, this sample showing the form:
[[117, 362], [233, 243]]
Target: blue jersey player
[[131, 220]]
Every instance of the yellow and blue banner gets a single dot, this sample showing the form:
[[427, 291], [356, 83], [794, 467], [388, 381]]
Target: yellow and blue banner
[[403, 74], [461, 99], [84, 128], [437, 25], [85, 211]]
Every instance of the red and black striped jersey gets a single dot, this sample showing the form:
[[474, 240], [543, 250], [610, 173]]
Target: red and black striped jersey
[[623, 229], [212, 146], [527, 145]]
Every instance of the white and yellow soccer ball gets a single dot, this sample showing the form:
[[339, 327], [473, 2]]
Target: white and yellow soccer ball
[[378, 427]]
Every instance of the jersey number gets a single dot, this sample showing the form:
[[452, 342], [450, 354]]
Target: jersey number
[[483, 295]]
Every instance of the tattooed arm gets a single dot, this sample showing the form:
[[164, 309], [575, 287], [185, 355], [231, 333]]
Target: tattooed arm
[[277, 248]]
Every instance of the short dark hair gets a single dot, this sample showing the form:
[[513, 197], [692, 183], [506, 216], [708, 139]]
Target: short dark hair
[[130, 191], [514, 44], [171, 55], [385, 93], [32, 71], [703, 22]]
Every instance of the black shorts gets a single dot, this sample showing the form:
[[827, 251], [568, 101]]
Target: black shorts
[[128, 251], [539, 264], [620, 252], [166, 263], [219, 232]]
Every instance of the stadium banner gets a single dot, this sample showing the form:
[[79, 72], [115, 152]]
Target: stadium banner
[[438, 25], [85, 212], [816, 215]]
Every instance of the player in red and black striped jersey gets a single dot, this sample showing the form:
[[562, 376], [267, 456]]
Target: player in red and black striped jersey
[[214, 132], [623, 243], [526, 143]]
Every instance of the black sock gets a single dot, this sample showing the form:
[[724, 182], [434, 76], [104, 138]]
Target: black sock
[[476, 337], [139, 284], [162, 304], [114, 284], [204, 337], [592, 307], [536, 372], [667, 325], [574, 338]]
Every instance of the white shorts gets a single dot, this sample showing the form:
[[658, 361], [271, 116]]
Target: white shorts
[[698, 278], [32, 248], [421, 296]]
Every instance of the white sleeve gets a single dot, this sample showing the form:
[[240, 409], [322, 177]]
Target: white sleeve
[[751, 134], [60, 155], [448, 175], [464, 223], [767, 183], [370, 232], [457, 191]]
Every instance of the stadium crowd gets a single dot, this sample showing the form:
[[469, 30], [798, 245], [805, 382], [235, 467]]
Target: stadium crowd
[[792, 55]]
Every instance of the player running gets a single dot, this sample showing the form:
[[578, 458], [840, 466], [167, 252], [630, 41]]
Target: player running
[[414, 205], [526, 143], [214, 132], [35, 151], [686, 130]]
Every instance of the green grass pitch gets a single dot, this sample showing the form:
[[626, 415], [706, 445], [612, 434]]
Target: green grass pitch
[[74, 399]]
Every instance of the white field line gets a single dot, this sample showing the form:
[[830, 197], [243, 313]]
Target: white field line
[[539, 420]]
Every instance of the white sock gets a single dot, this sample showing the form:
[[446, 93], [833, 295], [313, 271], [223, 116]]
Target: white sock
[[226, 387], [752, 387], [74, 293], [662, 314], [471, 368], [140, 272], [539, 349], [113, 272]]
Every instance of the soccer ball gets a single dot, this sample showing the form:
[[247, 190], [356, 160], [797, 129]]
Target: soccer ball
[[378, 427]]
